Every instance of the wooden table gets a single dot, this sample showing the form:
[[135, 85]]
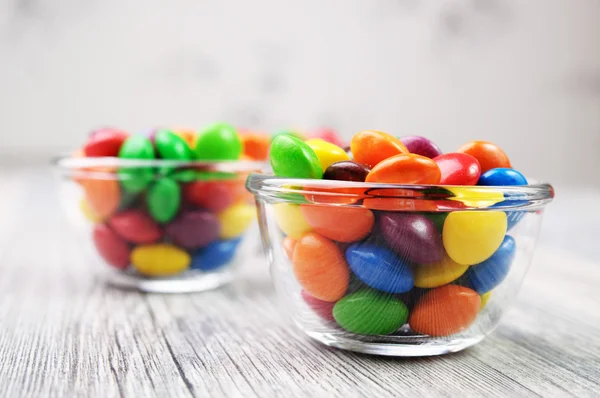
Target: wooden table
[[63, 332]]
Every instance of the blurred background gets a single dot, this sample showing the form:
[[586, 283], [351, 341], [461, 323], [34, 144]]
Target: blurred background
[[523, 74]]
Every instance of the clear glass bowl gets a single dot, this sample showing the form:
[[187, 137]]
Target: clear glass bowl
[[400, 270], [159, 225]]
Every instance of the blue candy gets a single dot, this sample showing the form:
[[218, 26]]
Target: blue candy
[[215, 255], [485, 276], [379, 268], [502, 177]]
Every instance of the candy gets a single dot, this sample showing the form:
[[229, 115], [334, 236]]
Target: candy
[[236, 219], [329, 135], [215, 255], [102, 195], [484, 299], [413, 236], [502, 176], [371, 147], [290, 220], [368, 312], [379, 268], [135, 226], [219, 141], [134, 179], [320, 268], [342, 224], [346, 170], [323, 309], [215, 196], [438, 220], [405, 169], [421, 146], [471, 237], [104, 142], [194, 229], [327, 152], [88, 213], [288, 245], [458, 169], [160, 259], [292, 132], [163, 199], [475, 197], [445, 310], [292, 157], [111, 247], [488, 155], [188, 135], [171, 146], [256, 145], [487, 275], [438, 274]]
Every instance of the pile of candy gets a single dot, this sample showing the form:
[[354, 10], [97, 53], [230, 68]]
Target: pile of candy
[[159, 221], [376, 264]]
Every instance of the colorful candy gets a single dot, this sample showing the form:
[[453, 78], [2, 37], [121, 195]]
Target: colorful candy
[[445, 310], [379, 268], [487, 275], [171, 146], [342, 224], [160, 259], [215, 255], [413, 236], [135, 226], [111, 247], [104, 142], [292, 157], [323, 309], [163, 199], [256, 145], [320, 268], [235, 220], [370, 313], [421, 146], [327, 152], [194, 229], [371, 147], [488, 155], [290, 220], [472, 237], [219, 141], [405, 169], [136, 179], [458, 169], [502, 176], [438, 274], [346, 170]]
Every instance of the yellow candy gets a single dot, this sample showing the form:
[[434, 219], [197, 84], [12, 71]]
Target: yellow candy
[[476, 197], [88, 212], [471, 237], [484, 299], [236, 219], [160, 259], [290, 220], [327, 152], [438, 274]]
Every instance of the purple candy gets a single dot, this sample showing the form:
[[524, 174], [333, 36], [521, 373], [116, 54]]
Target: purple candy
[[194, 229], [414, 237], [421, 146]]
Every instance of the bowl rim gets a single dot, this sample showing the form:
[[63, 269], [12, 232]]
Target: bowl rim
[[91, 164], [281, 189]]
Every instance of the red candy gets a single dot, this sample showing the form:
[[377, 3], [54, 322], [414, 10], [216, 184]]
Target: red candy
[[323, 309], [135, 226], [328, 135], [111, 247], [215, 196], [458, 169], [105, 142]]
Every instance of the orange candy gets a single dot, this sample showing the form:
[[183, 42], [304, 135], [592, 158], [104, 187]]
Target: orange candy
[[188, 135], [320, 267], [371, 147], [102, 196], [343, 224], [489, 155], [289, 244], [256, 145], [445, 310], [406, 169]]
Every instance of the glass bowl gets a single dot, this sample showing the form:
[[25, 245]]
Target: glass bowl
[[401, 270], [159, 225]]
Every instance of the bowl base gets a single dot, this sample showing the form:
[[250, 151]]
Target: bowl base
[[413, 347], [189, 282]]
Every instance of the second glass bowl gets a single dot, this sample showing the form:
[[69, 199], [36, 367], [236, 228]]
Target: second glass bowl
[[159, 225], [397, 270]]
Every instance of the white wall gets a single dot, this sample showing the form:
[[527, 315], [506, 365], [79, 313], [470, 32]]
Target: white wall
[[524, 74]]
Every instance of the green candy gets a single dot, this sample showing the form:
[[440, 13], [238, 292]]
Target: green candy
[[184, 175], [136, 179], [163, 199], [292, 157], [219, 141], [287, 132], [370, 312], [171, 146]]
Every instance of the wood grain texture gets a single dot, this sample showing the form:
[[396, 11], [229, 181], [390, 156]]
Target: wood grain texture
[[63, 332]]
